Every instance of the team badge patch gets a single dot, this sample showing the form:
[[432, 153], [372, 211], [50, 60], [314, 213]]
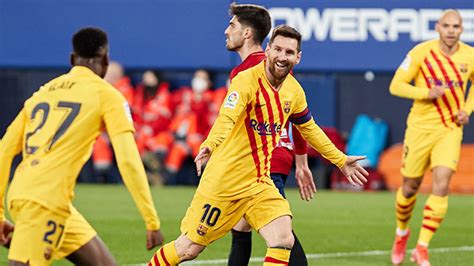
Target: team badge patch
[[48, 251], [201, 230], [128, 113], [286, 107], [406, 63], [232, 99], [463, 68]]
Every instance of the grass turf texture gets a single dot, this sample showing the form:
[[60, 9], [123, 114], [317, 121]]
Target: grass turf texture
[[332, 222]]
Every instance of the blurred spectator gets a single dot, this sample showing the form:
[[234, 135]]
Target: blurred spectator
[[150, 109], [102, 155], [189, 125], [115, 76]]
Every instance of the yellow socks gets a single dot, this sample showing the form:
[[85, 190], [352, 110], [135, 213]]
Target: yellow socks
[[404, 208], [433, 214], [166, 255], [277, 257]]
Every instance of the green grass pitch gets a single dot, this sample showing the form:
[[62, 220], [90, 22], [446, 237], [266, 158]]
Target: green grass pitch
[[333, 222]]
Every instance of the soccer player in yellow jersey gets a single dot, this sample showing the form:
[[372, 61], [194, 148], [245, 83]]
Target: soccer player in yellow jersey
[[55, 131], [236, 182], [440, 70]]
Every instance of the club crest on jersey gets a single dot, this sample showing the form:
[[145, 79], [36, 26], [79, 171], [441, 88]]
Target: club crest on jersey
[[232, 99], [201, 230], [286, 107], [463, 68]]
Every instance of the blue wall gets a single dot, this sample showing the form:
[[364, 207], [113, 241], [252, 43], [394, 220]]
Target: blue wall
[[338, 34]]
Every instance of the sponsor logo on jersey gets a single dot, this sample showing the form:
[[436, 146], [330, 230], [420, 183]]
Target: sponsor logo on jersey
[[265, 128], [443, 83], [232, 99]]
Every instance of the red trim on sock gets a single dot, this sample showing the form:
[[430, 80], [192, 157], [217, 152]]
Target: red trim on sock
[[406, 206], [162, 253], [404, 220], [155, 258], [428, 208], [273, 260], [429, 228], [439, 220]]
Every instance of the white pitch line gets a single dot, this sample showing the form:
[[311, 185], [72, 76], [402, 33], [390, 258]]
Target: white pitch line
[[329, 255]]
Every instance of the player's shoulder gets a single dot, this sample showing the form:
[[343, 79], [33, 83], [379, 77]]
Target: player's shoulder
[[247, 77], [466, 48], [423, 47], [293, 82]]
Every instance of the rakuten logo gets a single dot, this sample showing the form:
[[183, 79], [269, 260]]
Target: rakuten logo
[[265, 128], [356, 24]]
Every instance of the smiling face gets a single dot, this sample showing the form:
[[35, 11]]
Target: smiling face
[[449, 28], [234, 35], [282, 55]]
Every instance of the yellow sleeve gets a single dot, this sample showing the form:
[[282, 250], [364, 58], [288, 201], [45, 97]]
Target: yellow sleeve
[[408, 70], [234, 105], [312, 133], [10, 145], [315, 136], [115, 112], [134, 177], [469, 106]]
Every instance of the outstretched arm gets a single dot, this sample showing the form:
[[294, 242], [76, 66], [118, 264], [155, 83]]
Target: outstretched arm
[[134, 177]]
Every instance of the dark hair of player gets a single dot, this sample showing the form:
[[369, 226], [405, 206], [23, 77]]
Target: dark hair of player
[[286, 31], [253, 16], [87, 42]]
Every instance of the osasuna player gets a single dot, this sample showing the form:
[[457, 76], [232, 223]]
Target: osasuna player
[[55, 131], [236, 182], [440, 70], [248, 27]]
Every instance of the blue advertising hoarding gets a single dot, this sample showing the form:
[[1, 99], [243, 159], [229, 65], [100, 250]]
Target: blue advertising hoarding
[[337, 35]]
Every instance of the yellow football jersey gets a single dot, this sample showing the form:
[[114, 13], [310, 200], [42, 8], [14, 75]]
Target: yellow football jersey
[[427, 66], [56, 130], [247, 130]]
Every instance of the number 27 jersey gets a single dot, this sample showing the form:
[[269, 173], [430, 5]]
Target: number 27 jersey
[[56, 130]]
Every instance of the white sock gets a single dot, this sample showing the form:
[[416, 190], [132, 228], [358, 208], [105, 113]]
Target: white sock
[[401, 232]]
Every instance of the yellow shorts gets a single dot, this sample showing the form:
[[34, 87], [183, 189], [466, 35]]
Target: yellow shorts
[[422, 149], [78, 232], [207, 220], [42, 235], [38, 233]]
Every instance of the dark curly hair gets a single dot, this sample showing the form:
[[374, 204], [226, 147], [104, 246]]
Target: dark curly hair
[[88, 41]]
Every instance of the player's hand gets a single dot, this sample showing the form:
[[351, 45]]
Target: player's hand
[[462, 118], [154, 238], [436, 92], [355, 174], [305, 181], [202, 159], [6, 229]]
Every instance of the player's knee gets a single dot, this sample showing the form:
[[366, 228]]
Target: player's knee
[[283, 239], [410, 187]]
